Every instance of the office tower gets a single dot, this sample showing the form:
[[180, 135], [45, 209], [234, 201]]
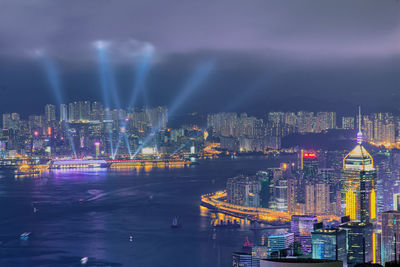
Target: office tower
[[265, 193], [348, 123], [358, 183], [329, 176], [279, 242], [241, 259], [390, 235], [243, 191], [302, 226], [329, 244], [309, 164], [359, 242], [358, 178], [385, 181], [63, 112], [50, 112], [317, 199], [280, 194]]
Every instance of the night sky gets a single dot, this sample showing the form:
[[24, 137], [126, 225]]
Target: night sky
[[266, 55]]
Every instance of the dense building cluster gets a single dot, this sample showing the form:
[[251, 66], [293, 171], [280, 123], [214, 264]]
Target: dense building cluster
[[245, 133], [343, 206], [79, 125]]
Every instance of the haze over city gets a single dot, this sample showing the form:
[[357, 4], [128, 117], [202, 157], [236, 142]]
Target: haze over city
[[179, 133], [304, 55]]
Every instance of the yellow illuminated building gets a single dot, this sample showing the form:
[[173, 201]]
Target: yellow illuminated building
[[358, 180]]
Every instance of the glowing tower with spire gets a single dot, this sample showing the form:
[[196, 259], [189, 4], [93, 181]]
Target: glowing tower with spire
[[358, 182]]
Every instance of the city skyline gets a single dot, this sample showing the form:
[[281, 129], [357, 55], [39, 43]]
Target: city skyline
[[279, 61], [200, 133]]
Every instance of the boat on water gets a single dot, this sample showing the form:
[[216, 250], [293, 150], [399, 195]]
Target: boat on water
[[84, 260], [25, 236], [247, 244], [175, 223], [78, 164]]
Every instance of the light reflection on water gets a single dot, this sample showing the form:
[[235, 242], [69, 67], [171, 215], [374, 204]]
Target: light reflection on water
[[114, 205]]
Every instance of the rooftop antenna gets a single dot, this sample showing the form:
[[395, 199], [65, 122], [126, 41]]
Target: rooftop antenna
[[359, 134]]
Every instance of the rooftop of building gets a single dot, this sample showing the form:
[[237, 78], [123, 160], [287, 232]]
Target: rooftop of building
[[300, 260], [392, 211], [305, 217], [358, 159]]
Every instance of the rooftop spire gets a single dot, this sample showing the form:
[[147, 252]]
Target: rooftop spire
[[359, 134]]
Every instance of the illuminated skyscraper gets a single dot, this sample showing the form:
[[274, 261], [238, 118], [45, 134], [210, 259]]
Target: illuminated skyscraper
[[360, 242], [390, 235], [358, 191], [358, 183], [329, 244], [302, 226], [309, 164]]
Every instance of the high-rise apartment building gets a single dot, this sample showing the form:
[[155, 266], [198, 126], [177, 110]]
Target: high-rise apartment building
[[244, 191], [50, 113], [317, 199], [348, 123], [63, 112], [6, 120]]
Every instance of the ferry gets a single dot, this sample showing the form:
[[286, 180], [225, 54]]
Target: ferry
[[175, 223], [78, 164]]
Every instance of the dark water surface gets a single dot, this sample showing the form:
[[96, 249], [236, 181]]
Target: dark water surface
[[115, 204]]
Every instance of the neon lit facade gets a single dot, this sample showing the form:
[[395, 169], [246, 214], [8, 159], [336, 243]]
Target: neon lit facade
[[329, 244], [302, 226], [390, 235], [358, 185]]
